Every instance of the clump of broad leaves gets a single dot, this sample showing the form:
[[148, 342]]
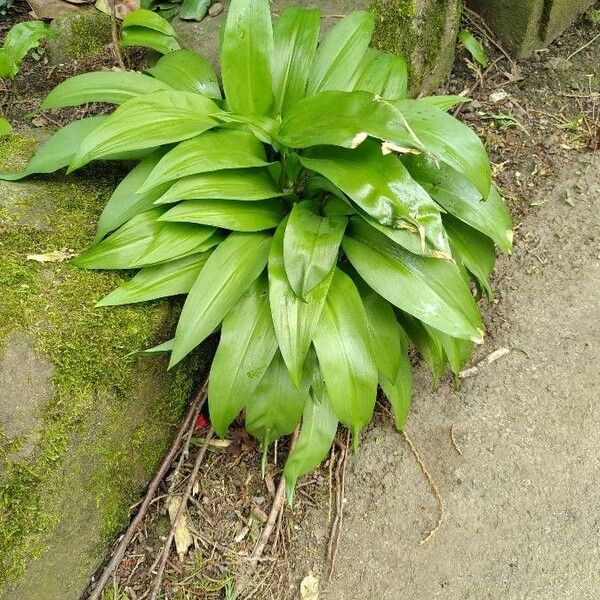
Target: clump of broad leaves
[[310, 212]]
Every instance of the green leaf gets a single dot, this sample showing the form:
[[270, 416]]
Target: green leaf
[[125, 201], [149, 20], [380, 185], [148, 38], [295, 319], [295, 36], [194, 10], [385, 334], [211, 151], [450, 141], [229, 214], [122, 248], [457, 351], [227, 274], [232, 184], [445, 102], [187, 71], [5, 127], [246, 349], [169, 279], [344, 119], [343, 344], [275, 407], [114, 87], [472, 44], [431, 289], [460, 198], [247, 56], [340, 53], [397, 83], [59, 149], [310, 246], [147, 121], [399, 389], [373, 72], [174, 240], [22, 38], [319, 426], [475, 250], [428, 344]]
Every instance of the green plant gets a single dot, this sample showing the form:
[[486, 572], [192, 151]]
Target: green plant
[[22, 38], [315, 216], [5, 5]]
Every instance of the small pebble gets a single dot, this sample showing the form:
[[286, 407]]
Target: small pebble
[[215, 9]]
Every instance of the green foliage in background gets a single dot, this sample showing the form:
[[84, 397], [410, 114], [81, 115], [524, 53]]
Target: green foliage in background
[[314, 216], [21, 39]]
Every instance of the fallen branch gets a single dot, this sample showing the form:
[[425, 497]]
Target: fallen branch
[[276, 509], [119, 553], [115, 35], [488, 360], [182, 507]]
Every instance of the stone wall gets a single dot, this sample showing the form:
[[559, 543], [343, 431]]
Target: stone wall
[[527, 25], [83, 425]]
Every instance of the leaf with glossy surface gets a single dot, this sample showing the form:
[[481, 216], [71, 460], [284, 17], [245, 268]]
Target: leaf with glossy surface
[[122, 248], [247, 57], [319, 426], [457, 351], [275, 407], [114, 87], [380, 185], [232, 184], [344, 119], [125, 201], [227, 274], [295, 36], [340, 53], [229, 214], [148, 38], [310, 246], [450, 141], [194, 10], [385, 333], [399, 389], [428, 344], [169, 279], [295, 319], [397, 83], [148, 19], [246, 349], [174, 240], [211, 151], [187, 71], [343, 344], [59, 149], [460, 198], [431, 289], [472, 248], [373, 72], [147, 121]]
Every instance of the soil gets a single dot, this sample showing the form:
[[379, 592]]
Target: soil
[[519, 519]]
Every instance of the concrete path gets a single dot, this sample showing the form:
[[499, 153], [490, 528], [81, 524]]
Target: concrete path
[[523, 499]]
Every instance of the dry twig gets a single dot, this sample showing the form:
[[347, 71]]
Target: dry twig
[[182, 507], [119, 553], [115, 35], [434, 487]]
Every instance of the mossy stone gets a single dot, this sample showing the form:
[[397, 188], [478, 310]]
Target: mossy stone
[[84, 423], [82, 34]]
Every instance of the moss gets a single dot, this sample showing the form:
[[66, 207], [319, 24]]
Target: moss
[[422, 33], [89, 33], [94, 381]]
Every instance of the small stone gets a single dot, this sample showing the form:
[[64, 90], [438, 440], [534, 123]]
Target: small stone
[[215, 9], [558, 63], [498, 96]]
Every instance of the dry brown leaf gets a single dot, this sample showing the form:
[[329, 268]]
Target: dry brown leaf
[[122, 7], [50, 9], [183, 536], [220, 443], [55, 256]]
